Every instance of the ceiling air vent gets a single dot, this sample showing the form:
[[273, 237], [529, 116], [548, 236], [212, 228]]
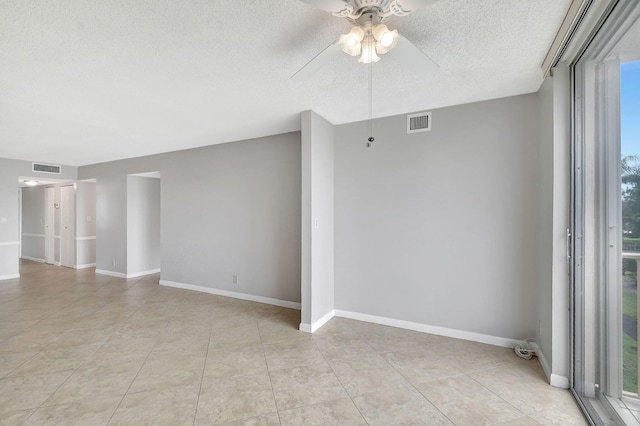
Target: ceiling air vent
[[420, 122], [47, 168]]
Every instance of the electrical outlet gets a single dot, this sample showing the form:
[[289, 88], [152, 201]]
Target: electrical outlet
[[235, 279], [113, 262]]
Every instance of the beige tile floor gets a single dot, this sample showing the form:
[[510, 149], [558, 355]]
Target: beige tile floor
[[83, 349]]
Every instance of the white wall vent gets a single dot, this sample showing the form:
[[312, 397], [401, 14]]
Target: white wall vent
[[419, 122], [46, 168]]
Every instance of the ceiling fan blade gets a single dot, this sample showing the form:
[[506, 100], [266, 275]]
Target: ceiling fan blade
[[335, 7], [320, 60], [413, 58], [405, 7]]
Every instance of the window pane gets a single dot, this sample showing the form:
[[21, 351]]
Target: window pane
[[630, 190]]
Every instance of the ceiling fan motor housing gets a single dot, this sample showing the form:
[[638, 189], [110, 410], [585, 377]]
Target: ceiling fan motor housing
[[356, 10]]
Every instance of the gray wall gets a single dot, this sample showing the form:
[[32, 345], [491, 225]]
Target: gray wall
[[554, 212], [33, 223], [317, 218], [9, 233], [441, 227], [33, 210], [545, 217], [225, 209], [85, 223], [10, 171], [561, 282], [143, 224]]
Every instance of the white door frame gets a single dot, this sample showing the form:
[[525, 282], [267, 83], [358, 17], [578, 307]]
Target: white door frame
[[49, 225], [67, 226], [20, 222]]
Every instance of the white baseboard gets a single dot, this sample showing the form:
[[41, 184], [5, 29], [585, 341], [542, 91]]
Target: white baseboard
[[9, 277], [86, 265], [243, 296], [143, 273], [558, 381], [56, 263], [544, 364], [120, 274], [554, 380], [310, 328], [34, 259], [431, 329], [111, 273]]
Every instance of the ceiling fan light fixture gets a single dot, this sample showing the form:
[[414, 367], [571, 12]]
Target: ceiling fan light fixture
[[351, 43], [386, 39], [368, 52], [370, 37]]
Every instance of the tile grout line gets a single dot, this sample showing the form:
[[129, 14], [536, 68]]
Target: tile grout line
[[273, 392], [204, 367], [52, 393], [352, 398], [7, 376], [494, 393], [408, 382], [337, 378], [134, 379], [430, 402]]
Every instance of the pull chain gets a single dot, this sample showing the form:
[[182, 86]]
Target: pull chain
[[371, 46]]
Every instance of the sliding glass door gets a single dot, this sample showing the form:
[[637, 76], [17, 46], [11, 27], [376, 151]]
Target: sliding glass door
[[607, 219]]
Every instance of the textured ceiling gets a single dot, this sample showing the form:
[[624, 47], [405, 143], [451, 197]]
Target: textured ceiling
[[86, 81]]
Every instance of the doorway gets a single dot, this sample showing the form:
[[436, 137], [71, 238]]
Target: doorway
[[143, 224]]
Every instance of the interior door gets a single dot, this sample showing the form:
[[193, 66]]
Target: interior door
[[67, 226], [49, 227]]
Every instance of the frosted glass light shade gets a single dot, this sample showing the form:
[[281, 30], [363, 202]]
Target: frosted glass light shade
[[368, 52], [351, 42], [385, 39]]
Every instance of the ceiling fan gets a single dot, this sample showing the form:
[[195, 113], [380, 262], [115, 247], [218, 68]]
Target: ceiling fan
[[369, 36]]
